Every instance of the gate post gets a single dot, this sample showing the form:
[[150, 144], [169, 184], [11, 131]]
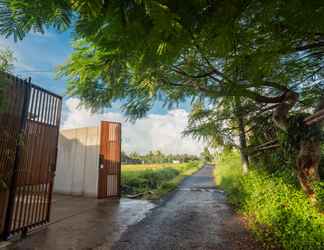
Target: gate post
[[13, 181]]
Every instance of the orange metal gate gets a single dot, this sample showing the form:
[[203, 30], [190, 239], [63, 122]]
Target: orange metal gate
[[31, 171], [110, 160]]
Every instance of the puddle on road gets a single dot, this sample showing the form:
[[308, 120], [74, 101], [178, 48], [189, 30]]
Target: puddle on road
[[133, 211], [83, 223]]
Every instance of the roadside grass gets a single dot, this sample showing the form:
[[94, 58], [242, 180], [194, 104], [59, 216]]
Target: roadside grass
[[276, 209], [141, 167], [152, 181]]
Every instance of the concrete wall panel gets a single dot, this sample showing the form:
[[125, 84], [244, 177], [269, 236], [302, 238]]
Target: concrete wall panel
[[77, 163], [92, 162]]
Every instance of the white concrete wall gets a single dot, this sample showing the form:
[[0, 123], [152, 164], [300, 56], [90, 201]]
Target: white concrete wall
[[77, 162]]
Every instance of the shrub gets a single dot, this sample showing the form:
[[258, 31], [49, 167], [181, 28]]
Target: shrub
[[277, 210]]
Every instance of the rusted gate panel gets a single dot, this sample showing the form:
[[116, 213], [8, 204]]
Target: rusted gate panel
[[110, 160], [33, 169], [14, 94]]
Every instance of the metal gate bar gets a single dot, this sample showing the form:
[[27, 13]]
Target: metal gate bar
[[14, 95], [35, 161]]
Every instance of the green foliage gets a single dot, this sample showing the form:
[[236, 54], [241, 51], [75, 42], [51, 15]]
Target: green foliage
[[157, 156], [277, 210], [6, 60], [155, 182], [206, 156], [153, 50], [18, 17], [319, 191], [226, 174], [207, 122], [139, 182]]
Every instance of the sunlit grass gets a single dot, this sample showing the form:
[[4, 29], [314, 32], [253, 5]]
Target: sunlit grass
[[152, 181], [142, 167]]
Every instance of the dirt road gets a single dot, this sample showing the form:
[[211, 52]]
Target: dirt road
[[196, 216]]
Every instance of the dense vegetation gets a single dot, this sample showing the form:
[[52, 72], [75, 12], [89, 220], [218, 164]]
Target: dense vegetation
[[156, 157], [275, 207], [155, 180]]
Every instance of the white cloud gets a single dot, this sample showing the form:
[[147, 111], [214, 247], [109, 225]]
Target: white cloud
[[155, 132]]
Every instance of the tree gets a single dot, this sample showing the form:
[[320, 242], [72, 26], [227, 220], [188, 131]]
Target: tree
[[206, 155], [224, 125], [6, 65], [145, 50], [6, 60]]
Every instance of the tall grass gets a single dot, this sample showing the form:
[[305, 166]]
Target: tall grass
[[154, 180], [277, 210]]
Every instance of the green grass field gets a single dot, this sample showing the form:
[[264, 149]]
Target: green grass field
[[151, 181]]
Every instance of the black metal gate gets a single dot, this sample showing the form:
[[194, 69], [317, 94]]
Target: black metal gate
[[29, 125]]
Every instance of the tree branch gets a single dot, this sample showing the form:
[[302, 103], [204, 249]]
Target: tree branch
[[310, 46]]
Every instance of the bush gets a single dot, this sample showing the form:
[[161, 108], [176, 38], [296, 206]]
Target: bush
[[277, 210]]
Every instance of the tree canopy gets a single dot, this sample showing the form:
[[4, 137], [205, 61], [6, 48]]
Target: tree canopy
[[230, 55], [171, 51], [146, 50]]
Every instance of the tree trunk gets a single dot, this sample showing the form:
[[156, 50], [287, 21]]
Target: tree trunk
[[308, 157], [242, 139], [308, 160]]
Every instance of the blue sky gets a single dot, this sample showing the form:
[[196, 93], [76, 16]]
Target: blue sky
[[39, 54], [37, 57]]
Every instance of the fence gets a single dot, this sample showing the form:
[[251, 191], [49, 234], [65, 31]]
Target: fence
[[29, 127]]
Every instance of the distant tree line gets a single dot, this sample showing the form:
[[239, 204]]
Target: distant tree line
[[156, 157]]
